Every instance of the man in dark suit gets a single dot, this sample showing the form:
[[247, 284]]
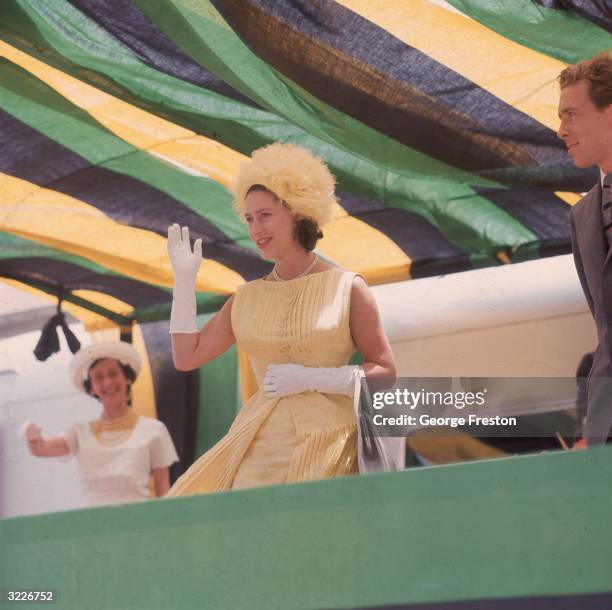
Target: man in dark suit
[[585, 110]]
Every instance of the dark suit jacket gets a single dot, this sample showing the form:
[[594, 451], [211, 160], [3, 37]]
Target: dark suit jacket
[[594, 265]]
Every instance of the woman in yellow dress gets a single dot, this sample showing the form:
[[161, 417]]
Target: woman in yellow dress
[[299, 326]]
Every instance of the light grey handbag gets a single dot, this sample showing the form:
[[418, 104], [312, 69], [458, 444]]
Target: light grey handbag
[[375, 453]]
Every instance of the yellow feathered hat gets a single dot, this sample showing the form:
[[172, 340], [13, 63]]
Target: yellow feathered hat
[[294, 175]]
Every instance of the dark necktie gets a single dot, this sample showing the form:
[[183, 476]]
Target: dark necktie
[[606, 207]]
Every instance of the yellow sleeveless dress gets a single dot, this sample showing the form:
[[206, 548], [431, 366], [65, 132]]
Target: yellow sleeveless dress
[[301, 437]]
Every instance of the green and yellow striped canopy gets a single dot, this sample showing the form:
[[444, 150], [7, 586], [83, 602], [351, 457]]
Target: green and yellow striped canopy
[[120, 117]]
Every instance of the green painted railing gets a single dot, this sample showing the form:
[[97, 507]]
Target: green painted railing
[[519, 527]]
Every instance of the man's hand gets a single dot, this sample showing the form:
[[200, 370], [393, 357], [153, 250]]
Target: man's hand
[[581, 443]]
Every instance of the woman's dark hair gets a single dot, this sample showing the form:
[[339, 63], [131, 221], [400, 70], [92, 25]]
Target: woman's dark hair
[[307, 230], [128, 371], [260, 188]]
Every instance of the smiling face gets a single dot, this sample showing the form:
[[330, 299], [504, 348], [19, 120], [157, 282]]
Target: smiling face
[[109, 383], [270, 223], [585, 129]]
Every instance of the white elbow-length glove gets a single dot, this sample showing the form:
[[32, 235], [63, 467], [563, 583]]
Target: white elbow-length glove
[[30, 431], [285, 379], [185, 264]]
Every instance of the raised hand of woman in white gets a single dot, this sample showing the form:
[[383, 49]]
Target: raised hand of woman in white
[[40, 447], [30, 431]]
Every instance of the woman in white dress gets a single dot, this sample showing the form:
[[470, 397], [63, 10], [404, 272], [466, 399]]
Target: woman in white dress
[[118, 452]]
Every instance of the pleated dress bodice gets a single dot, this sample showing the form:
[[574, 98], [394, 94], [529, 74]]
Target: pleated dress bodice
[[303, 321]]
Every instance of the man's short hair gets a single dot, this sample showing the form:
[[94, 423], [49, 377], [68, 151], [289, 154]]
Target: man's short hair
[[597, 72]]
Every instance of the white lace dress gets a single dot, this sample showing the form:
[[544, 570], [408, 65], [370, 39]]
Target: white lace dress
[[116, 474]]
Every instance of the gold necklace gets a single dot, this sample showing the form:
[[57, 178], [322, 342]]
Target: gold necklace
[[278, 278], [116, 431]]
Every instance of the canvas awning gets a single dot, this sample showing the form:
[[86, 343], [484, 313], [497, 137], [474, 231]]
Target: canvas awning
[[120, 117]]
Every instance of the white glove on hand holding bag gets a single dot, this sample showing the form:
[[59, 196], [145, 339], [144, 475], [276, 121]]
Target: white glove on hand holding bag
[[286, 379], [185, 265], [30, 431], [375, 453]]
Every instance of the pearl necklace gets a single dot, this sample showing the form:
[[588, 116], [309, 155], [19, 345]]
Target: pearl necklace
[[308, 269]]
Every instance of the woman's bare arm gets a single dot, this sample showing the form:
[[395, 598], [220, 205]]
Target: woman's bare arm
[[368, 333], [192, 350], [161, 479], [50, 447]]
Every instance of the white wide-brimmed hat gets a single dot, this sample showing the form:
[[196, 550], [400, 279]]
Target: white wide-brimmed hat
[[84, 358]]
